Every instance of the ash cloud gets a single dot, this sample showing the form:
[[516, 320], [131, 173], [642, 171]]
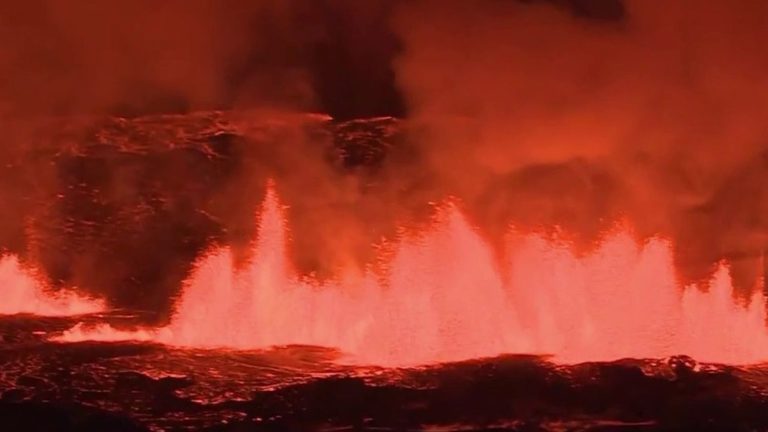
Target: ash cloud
[[579, 113]]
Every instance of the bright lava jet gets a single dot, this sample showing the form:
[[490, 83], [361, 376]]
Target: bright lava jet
[[443, 297], [24, 293]]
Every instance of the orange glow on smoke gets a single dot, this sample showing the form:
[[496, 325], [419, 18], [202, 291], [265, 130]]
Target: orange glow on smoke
[[22, 292], [444, 297]]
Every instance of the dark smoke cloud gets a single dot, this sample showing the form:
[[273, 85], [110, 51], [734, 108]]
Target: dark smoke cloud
[[577, 113]]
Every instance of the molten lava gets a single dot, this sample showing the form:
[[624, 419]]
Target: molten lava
[[444, 297], [24, 293]]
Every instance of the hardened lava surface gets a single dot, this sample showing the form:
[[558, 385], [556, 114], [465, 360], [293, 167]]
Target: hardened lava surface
[[140, 387]]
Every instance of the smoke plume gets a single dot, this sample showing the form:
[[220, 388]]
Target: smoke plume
[[540, 114]]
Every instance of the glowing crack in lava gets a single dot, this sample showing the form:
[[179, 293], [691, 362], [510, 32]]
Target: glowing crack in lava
[[22, 292], [444, 297]]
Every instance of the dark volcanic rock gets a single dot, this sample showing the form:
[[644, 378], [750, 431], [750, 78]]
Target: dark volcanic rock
[[130, 387], [50, 417]]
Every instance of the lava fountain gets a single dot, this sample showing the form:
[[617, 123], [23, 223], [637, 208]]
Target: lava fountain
[[444, 296], [24, 293]]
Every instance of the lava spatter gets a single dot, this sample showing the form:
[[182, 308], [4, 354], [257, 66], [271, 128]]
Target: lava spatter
[[24, 293], [444, 297]]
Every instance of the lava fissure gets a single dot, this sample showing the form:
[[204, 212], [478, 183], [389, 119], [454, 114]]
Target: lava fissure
[[443, 298]]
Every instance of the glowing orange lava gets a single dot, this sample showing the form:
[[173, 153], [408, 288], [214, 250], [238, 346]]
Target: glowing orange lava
[[22, 292], [444, 297]]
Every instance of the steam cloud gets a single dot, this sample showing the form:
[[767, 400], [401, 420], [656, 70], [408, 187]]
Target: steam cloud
[[538, 115]]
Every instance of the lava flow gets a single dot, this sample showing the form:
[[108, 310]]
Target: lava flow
[[444, 297], [24, 293]]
